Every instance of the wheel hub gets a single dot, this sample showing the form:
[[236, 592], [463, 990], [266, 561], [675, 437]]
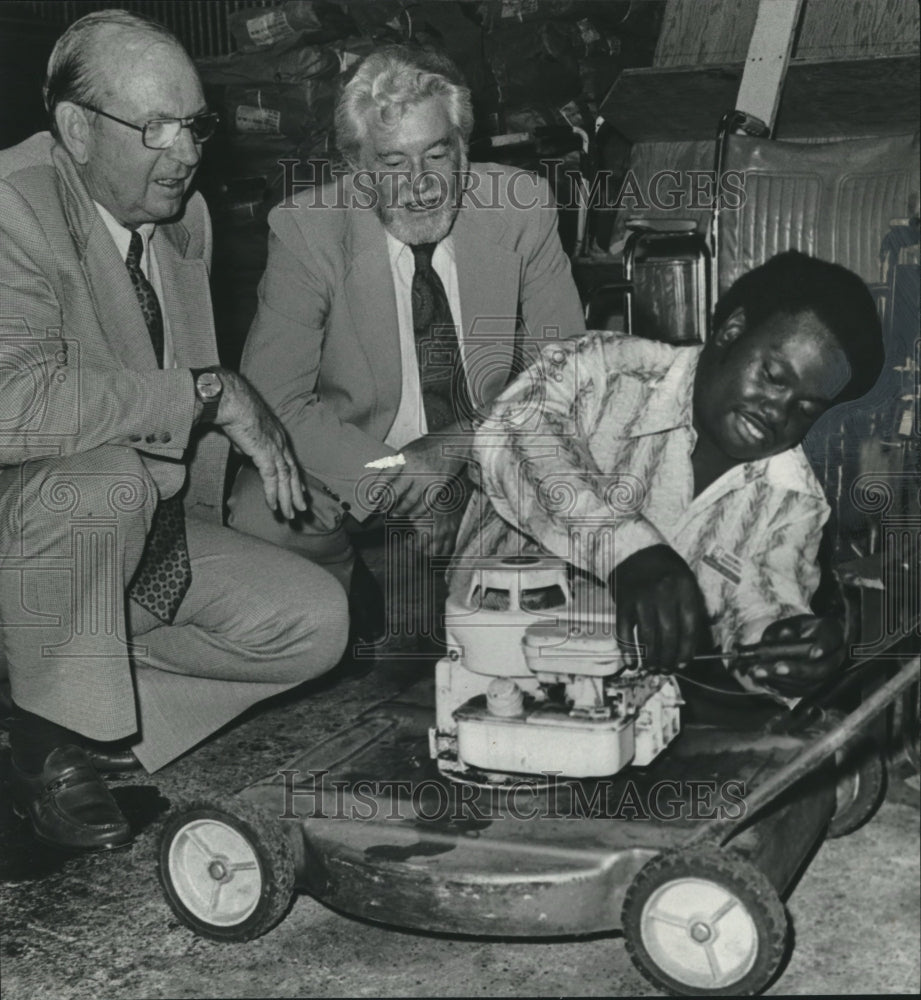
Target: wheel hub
[[701, 932], [218, 871]]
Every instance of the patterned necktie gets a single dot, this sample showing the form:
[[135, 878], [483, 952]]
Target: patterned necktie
[[445, 395], [165, 572]]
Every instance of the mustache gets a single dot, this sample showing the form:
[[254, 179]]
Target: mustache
[[396, 189]]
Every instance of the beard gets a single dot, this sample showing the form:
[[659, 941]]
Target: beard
[[406, 218], [415, 226]]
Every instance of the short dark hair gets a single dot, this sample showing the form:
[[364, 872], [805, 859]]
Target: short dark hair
[[70, 75], [793, 283]]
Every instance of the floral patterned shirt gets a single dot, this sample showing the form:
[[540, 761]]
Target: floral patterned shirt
[[587, 456]]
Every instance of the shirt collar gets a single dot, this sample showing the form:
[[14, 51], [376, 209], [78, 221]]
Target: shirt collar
[[672, 405], [397, 248], [122, 234], [790, 470]]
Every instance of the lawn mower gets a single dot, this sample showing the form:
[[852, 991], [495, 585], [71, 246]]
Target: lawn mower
[[538, 786]]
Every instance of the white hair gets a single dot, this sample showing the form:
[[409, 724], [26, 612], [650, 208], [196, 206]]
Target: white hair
[[390, 80]]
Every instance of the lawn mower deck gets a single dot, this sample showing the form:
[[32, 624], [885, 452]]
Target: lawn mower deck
[[366, 822]]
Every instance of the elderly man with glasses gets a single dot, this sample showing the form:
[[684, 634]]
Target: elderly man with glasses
[[130, 618]]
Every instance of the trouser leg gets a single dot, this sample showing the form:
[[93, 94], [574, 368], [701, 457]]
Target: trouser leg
[[257, 620], [73, 531], [33, 737], [410, 598], [318, 535]]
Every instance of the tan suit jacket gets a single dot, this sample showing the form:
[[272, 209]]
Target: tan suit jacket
[[324, 346], [80, 369]]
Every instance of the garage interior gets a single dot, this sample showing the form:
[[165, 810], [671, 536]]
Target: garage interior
[[816, 104]]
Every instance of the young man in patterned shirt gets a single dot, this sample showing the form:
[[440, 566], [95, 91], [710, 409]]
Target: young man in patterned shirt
[[692, 455]]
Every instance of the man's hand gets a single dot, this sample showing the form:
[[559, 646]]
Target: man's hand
[[255, 431], [430, 478], [656, 593], [794, 677]]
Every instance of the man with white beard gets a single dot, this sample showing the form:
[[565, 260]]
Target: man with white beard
[[395, 306]]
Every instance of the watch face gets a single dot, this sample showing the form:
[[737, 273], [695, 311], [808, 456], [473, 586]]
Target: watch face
[[208, 385]]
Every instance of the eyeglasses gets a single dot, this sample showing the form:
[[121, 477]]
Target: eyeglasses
[[161, 133]]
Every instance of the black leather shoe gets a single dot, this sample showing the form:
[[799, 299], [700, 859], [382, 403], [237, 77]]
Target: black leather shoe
[[68, 804]]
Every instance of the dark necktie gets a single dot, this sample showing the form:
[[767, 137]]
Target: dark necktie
[[445, 395], [165, 572]]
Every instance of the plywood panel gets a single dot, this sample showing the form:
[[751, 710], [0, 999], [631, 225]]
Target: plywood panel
[[848, 97], [705, 31], [834, 29], [851, 97], [717, 31], [658, 105]]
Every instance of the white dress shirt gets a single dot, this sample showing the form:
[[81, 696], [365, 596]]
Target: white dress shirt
[[122, 236], [409, 422]]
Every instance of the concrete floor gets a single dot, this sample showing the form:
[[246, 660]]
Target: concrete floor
[[98, 926]]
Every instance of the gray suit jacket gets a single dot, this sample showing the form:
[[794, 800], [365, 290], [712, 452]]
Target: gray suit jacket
[[324, 346], [79, 369]]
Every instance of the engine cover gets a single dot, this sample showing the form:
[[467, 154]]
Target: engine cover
[[547, 738]]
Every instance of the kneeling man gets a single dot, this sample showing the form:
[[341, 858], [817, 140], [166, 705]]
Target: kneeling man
[[127, 611], [692, 456]]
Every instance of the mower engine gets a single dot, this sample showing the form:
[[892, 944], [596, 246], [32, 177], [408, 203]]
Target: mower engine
[[534, 682]]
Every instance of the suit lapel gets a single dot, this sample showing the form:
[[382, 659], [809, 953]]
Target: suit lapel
[[109, 287], [113, 295], [186, 301], [369, 292], [487, 272], [115, 301], [488, 278]]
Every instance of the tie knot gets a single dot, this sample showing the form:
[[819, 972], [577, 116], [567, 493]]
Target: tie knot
[[135, 251], [423, 255]]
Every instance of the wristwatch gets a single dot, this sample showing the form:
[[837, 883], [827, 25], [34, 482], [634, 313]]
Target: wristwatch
[[208, 388]]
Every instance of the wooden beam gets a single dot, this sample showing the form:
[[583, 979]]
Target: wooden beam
[[768, 54]]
